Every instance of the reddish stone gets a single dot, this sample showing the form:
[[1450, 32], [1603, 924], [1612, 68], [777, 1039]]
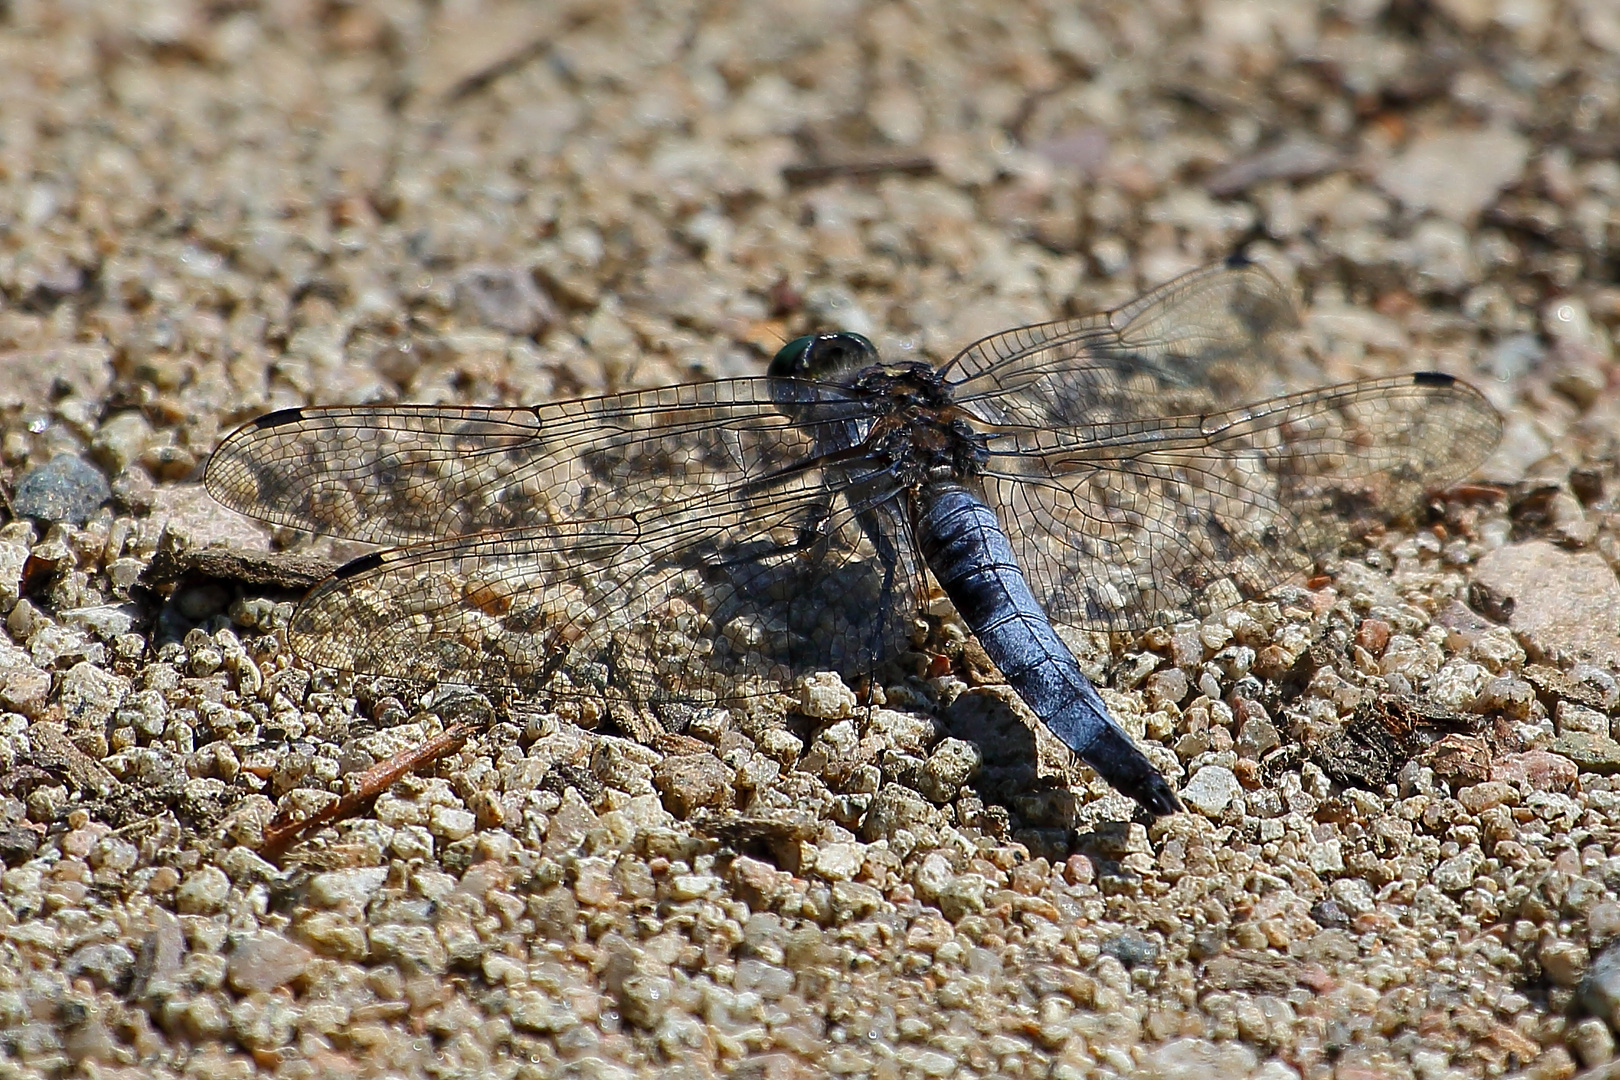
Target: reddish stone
[[1537, 769], [1373, 635]]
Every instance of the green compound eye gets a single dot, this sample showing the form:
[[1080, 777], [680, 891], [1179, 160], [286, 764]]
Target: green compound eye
[[816, 355], [790, 358]]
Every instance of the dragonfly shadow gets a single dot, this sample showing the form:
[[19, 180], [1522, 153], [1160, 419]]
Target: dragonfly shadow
[[800, 612], [1010, 763], [1043, 810]]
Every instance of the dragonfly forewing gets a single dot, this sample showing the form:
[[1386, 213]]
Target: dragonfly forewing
[[402, 474], [1205, 341]]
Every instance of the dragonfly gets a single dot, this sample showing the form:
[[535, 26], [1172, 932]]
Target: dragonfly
[[698, 543]]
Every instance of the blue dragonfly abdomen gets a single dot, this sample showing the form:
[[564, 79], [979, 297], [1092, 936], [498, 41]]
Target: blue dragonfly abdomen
[[969, 555]]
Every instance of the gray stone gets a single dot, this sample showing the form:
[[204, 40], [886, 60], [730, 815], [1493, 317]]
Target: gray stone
[[767, 980], [164, 946], [1197, 1059], [1457, 684], [1538, 770], [121, 440], [1603, 921], [106, 621], [108, 965], [13, 557], [1296, 157], [36, 378], [1572, 718], [263, 1023], [852, 900], [963, 896], [622, 764], [1326, 856], [824, 696], [534, 1011], [644, 999], [460, 51], [203, 892], [504, 298], [1600, 989], [839, 861], [452, 822], [1593, 1044], [66, 488], [904, 731], [570, 823], [245, 866], [1458, 872], [1563, 962], [1353, 895], [934, 1063], [341, 888], [25, 689], [1512, 698], [90, 695], [758, 883], [1592, 753], [1132, 950], [1168, 687], [1258, 736], [931, 875], [414, 948]]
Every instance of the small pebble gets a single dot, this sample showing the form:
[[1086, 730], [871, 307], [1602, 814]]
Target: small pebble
[[1211, 790], [264, 960], [1132, 950], [202, 892], [691, 782], [66, 488], [952, 763], [505, 299]]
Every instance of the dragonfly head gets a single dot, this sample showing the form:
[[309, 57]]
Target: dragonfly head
[[818, 356]]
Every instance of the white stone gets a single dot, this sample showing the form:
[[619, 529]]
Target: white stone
[[1211, 790], [1456, 174]]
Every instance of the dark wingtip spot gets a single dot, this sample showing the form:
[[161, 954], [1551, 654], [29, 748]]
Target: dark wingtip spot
[[355, 567], [278, 418], [1432, 378], [1238, 260]]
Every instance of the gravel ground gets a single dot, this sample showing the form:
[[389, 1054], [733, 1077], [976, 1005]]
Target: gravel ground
[[1402, 850]]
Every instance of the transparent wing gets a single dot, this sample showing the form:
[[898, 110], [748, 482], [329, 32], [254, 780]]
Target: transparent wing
[[401, 474], [1202, 342], [733, 594], [678, 540], [1119, 523]]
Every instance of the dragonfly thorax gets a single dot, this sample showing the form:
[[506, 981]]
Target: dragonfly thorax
[[908, 425], [918, 431]]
